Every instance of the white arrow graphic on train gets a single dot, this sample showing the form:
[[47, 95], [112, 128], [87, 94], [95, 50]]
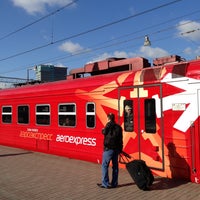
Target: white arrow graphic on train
[[186, 97]]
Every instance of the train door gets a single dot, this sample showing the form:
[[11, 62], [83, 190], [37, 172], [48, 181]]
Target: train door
[[195, 144], [142, 121]]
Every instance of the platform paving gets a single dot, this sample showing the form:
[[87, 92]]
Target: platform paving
[[26, 175]]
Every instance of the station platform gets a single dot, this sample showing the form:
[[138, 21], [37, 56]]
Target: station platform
[[27, 175]]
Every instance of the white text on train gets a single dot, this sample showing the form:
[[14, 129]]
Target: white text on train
[[76, 140]]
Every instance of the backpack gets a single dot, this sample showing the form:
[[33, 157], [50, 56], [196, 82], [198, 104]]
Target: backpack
[[113, 139]]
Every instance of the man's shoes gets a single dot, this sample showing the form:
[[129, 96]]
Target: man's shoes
[[113, 186], [102, 186]]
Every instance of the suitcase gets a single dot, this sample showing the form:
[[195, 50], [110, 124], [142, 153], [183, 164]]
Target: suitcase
[[140, 173], [138, 170]]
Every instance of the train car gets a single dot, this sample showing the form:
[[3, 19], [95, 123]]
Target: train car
[[157, 106]]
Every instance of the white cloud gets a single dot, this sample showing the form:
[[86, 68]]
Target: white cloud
[[144, 51], [71, 47], [150, 52], [132, 10], [101, 57], [197, 51], [188, 51], [39, 6], [189, 30], [191, 51], [121, 54], [117, 54], [59, 64]]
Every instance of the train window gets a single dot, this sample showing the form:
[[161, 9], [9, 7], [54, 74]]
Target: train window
[[67, 115], [150, 116], [23, 114], [90, 115], [128, 115], [43, 114], [7, 114]]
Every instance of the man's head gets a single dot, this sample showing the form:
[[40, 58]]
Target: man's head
[[111, 117], [128, 108]]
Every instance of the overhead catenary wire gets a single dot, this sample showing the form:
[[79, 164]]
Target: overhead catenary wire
[[38, 20], [90, 30], [104, 45], [125, 41], [97, 47]]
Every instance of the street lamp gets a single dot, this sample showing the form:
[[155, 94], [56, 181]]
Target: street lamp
[[147, 42], [29, 69]]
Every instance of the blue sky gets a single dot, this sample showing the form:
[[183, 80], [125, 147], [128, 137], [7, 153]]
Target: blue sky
[[50, 32]]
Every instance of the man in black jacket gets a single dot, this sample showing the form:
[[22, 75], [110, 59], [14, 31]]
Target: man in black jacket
[[113, 144]]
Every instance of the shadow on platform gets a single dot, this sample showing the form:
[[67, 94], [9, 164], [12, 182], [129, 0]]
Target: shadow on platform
[[15, 154], [166, 183]]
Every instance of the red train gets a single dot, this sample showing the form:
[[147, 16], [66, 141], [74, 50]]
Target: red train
[[66, 117]]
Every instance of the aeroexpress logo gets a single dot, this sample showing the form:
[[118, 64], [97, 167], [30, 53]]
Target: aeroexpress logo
[[76, 140], [35, 134]]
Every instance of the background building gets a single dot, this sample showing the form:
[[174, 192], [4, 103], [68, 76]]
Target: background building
[[49, 73]]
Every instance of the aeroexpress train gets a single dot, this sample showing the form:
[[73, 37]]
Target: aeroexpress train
[[66, 117]]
